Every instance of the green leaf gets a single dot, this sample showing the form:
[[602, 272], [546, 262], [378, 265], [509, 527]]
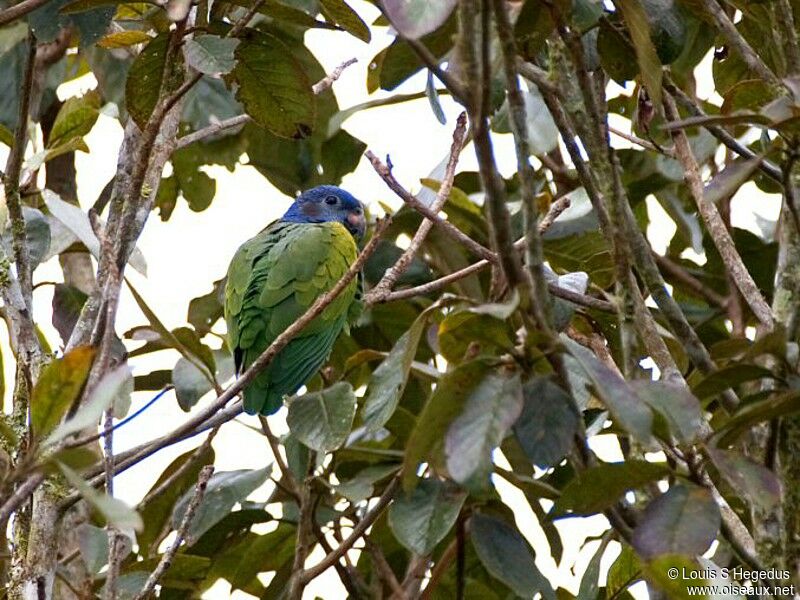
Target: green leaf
[[590, 582], [421, 519], [129, 585], [322, 420], [587, 252], [345, 17], [225, 489], [204, 311], [388, 381], [433, 99], [210, 54], [362, 486], [273, 87], [657, 571], [488, 414], [191, 383], [684, 520], [649, 64], [467, 332], [185, 571], [167, 197], [143, 85], [93, 546], [776, 405], [59, 386], [101, 398], [75, 118], [625, 406], [77, 221], [598, 488], [115, 511], [679, 408], [548, 423], [441, 409], [67, 304], [728, 377], [755, 482], [624, 571], [507, 556], [415, 18]]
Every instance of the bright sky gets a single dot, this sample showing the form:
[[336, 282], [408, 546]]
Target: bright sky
[[188, 253]]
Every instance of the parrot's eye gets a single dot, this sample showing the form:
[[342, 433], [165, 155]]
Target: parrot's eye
[[331, 200]]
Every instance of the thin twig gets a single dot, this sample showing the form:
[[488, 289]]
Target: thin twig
[[215, 128], [180, 534], [114, 557], [327, 82], [646, 144], [289, 479], [767, 167], [384, 570], [358, 531], [678, 273], [390, 277]]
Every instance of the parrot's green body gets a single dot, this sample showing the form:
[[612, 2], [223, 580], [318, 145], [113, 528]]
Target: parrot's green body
[[272, 280]]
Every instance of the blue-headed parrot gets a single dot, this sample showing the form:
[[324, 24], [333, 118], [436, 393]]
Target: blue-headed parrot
[[277, 275]]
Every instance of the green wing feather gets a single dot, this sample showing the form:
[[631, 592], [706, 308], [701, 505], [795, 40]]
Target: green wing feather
[[272, 280]]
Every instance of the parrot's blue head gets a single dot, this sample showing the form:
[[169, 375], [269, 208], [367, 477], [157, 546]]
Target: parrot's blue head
[[326, 203]]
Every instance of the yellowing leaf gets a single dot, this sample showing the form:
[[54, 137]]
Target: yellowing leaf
[[123, 39], [58, 387]]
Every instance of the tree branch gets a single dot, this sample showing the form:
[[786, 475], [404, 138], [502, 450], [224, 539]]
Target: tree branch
[[11, 181], [715, 225], [534, 254], [180, 534], [12, 13]]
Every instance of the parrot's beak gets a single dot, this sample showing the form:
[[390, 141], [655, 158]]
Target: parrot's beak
[[356, 224]]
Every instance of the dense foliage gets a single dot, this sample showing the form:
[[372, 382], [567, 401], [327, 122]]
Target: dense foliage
[[456, 377]]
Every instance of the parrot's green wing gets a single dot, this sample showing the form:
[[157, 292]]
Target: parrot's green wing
[[273, 279]]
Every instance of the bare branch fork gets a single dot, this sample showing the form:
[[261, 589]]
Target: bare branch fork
[[384, 286]]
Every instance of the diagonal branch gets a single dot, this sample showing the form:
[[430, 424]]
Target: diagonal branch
[[183, 528], [358, 531], [715, 225], [12, 13], [384, 286]]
